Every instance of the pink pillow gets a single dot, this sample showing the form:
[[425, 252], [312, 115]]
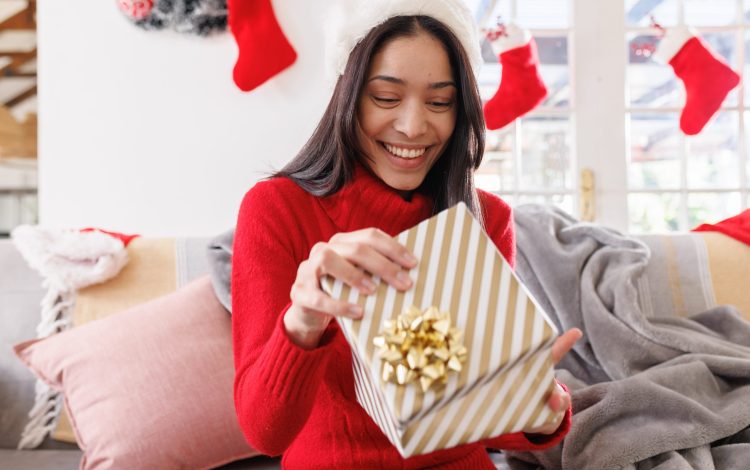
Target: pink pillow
[[150, 387]]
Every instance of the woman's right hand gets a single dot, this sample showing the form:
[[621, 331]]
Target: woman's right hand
[[349, 257]]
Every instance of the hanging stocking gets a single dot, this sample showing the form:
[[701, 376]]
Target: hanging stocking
[[706, 76], [521, 86], [264, 50]]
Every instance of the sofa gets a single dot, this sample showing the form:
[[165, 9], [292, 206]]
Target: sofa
[[155, 268], [686, 274]]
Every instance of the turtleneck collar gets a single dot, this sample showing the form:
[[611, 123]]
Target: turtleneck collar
[[367, 201]]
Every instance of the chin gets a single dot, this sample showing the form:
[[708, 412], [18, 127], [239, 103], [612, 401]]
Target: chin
[[401, 183]]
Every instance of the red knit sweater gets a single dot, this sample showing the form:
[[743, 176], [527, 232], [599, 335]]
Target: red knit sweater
[[300, 402]]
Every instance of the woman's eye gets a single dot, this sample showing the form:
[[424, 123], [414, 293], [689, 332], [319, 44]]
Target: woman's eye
[[440, 106], [385, 100]]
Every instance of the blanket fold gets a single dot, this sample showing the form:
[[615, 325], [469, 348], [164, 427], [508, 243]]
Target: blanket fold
[[660, 392]]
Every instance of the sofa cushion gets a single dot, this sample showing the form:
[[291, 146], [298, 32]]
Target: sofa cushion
[[20, 294], [729, 264], [70, 460], [150, 386], [689, 273], [40, 459]]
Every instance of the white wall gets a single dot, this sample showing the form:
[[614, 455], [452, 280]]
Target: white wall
[[145, 132]]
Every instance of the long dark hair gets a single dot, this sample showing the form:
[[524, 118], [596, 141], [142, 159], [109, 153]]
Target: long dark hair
[[327, 160]]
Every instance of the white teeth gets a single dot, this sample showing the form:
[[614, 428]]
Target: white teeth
[[405, 153]]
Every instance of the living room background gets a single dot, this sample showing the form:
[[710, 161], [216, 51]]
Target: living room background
[[144, 131]]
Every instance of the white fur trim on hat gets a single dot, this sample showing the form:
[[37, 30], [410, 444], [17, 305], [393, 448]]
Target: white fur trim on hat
[[515, 37], [353, 19], [672, 42]]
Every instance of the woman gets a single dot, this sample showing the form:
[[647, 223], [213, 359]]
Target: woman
[[398, 143]]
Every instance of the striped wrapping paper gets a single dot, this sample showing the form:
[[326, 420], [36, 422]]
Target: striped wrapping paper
[[508, 374]]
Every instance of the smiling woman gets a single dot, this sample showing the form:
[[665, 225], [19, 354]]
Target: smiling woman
[[426, 78], [399, 141], [407, 110]]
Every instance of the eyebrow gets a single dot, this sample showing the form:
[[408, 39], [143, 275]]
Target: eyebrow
[[398, 81]]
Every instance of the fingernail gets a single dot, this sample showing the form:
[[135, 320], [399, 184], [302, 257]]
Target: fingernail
[[368, 285], [403, 279], [355, 311], [410, 258], [555, 402]]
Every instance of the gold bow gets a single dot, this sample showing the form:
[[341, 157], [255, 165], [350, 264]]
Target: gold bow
[[420, 345]]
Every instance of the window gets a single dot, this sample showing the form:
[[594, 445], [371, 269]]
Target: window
[[676, 182], [531, 160], [615, 111]]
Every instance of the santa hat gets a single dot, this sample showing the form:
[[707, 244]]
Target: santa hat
[[354, 19]]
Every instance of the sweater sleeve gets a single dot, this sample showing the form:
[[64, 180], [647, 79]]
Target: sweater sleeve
[[498, 219], [275, 380]]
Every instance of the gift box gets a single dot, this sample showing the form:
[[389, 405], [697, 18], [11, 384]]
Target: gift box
[[463, 355]]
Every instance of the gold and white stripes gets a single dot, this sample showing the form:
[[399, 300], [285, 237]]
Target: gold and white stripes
[[508, 375]]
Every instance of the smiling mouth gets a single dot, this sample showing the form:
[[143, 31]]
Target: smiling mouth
[[402, 152]]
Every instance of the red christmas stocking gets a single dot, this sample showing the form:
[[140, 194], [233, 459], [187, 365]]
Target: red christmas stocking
[[264, 50], [521, 86], [706, 76]]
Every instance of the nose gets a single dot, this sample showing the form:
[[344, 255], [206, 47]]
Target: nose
[[412, 120]]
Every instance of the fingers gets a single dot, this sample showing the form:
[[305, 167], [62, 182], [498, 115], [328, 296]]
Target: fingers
[[564, 343], [382, 243], [308, 297], [371, 260], [559, 402], [370, 250], [326, 261], [350, 257]]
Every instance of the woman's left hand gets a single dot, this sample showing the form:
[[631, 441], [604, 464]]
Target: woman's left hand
[[559, 400]]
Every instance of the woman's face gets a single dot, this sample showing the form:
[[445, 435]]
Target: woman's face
[[407, 111]]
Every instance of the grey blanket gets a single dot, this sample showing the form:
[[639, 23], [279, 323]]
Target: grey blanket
[[220, 266], [648, 393]]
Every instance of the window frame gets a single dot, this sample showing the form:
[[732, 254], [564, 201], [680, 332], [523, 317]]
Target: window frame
[[600, 112]]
